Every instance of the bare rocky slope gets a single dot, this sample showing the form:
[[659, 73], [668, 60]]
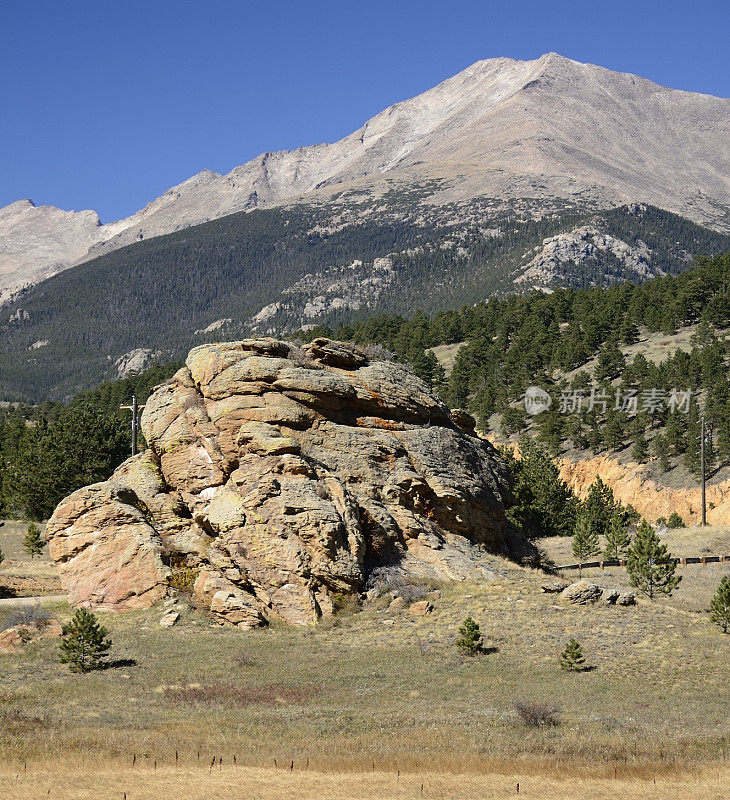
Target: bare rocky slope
[[502, 128], [280, 478]]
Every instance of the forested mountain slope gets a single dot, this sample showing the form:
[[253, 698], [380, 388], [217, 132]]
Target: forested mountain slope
[[603, 342], [276, 270]]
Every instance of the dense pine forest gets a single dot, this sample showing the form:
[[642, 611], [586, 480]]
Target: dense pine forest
[[329, 265], [510, 343]]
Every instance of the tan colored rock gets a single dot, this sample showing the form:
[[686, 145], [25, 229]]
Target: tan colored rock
[[397, 604], [12, 639], [169, 619], [581, 592], [107, 551], [421, 608], [284, 475]]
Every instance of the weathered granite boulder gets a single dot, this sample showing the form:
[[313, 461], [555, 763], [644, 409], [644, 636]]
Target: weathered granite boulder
[[581, 593], [282, 476]]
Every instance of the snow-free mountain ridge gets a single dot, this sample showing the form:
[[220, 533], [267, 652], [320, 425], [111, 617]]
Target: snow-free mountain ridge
[[501, 128]]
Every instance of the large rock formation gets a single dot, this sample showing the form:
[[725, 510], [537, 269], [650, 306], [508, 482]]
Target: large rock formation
[[281, 476]]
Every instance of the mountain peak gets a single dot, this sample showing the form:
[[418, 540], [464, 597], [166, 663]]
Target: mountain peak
[[547, 128]]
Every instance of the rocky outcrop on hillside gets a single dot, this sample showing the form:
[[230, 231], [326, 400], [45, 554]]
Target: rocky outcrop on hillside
[[632, 485], [277, 478], [581, 245]]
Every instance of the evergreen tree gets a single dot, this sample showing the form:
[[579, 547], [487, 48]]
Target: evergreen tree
[[723, 435], [628, 333], [614, 429], [720, 605], [618, 540], [599, 506], [691, 458], [33, 543], [469, 640], [585, 541], [640, 448], [551, 426], [572, 658], [660, 446], [595, 439], [650, 566], [576, 433], [675, 521], [85, 644], [514, 420], [544, 505]]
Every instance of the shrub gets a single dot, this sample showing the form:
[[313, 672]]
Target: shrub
[[183, 578], [345, 604], [26, 615], [393, 580], [85, 644], [537, 715], [572, 658], [469, 640], [675, 521]]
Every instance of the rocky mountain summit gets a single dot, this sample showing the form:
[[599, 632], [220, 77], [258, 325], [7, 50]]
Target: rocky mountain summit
[[548, 128], [279, 477]]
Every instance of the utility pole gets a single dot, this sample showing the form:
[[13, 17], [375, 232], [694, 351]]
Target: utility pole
[[135, 408], [702, 468]]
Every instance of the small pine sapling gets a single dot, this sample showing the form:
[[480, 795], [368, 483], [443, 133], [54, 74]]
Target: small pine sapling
[[572, 658], [618, 539], [650, 566], [585, 542], [85, 644], [33, 542], [469, 640]]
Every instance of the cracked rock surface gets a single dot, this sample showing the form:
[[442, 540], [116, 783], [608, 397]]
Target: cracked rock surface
[[281, 476]]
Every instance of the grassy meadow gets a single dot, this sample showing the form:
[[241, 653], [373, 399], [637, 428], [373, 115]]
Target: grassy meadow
[[341, 709]]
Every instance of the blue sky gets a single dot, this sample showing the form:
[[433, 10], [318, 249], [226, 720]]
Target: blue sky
[[106, 104]]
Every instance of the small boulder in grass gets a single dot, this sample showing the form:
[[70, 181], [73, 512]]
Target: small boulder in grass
[[610, 596], [397, 604], [14, 637], [554, 588], [626, 599], [581, 593], [421, 608], [170, 619]]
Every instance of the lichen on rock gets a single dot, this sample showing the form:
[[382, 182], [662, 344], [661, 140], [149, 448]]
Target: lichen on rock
[[284, 474]]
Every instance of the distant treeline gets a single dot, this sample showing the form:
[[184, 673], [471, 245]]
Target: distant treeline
[[50, 450]]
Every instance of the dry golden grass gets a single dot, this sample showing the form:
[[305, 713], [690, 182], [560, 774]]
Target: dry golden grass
[[378, 687], [64, 781], [20, 575]]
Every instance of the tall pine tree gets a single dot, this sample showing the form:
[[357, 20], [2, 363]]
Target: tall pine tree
[[650, 566]]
